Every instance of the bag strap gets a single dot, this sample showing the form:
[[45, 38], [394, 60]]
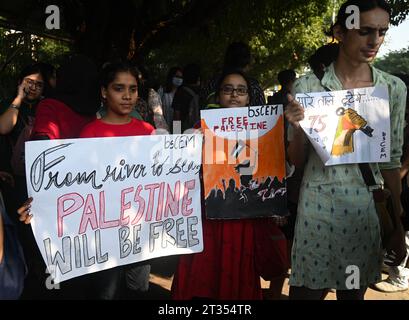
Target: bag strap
[[367, 174]]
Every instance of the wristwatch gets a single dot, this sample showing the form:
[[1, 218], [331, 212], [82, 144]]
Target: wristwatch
[[15, 106]]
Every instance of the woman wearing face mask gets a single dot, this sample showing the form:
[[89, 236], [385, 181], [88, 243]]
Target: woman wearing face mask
[[174, 80]]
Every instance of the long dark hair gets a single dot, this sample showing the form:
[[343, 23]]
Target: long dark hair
[[323, 57], [29, 70], [77, 84], [34, 68], [49, 72], [111, 69], [237, 56], [363, 5]]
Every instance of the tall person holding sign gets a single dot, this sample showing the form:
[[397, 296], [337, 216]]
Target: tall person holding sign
[[337, 238]]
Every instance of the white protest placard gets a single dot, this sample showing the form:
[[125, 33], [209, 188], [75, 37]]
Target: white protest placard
[[348, 126], [105, 202]]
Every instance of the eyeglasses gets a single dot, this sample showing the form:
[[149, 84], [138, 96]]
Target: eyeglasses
[[228, 89], [38, 85]]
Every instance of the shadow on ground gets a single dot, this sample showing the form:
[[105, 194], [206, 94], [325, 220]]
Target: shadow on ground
[[162, 271]]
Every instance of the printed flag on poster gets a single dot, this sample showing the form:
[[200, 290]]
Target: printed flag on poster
[[244, 162], [348, 126], [105, 202]]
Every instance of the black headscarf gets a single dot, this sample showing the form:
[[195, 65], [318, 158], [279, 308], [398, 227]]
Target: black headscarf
[[77, 84]]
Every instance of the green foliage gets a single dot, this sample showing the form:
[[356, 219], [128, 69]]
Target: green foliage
[[165, 33], [290, 39], [282, 34], [51, 51], [400, 10], [394, 62]]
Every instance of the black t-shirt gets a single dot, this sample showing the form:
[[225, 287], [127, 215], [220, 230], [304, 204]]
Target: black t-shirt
[[279, 97], [181, 103]]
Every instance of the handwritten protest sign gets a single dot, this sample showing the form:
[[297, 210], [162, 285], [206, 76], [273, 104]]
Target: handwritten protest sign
[[244, 162], [104, 202], [349, 126]]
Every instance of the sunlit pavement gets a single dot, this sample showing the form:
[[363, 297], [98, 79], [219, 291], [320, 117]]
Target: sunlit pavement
[[164, 268]]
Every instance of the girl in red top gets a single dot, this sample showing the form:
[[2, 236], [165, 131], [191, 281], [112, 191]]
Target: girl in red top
[[119, 91]]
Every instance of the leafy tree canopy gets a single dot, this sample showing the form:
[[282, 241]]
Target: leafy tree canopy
[[400, 10], [164, 33], [19, 49], [396, 62]]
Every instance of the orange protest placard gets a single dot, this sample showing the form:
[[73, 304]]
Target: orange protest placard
[[244, 162]]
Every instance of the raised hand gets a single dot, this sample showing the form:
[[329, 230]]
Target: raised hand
[[294, 112], [24, 211]]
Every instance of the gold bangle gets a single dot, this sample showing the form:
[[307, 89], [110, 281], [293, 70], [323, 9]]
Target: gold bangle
[[15, 106]]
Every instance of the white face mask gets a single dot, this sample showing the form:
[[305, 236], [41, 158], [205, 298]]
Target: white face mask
[[177, 82]]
